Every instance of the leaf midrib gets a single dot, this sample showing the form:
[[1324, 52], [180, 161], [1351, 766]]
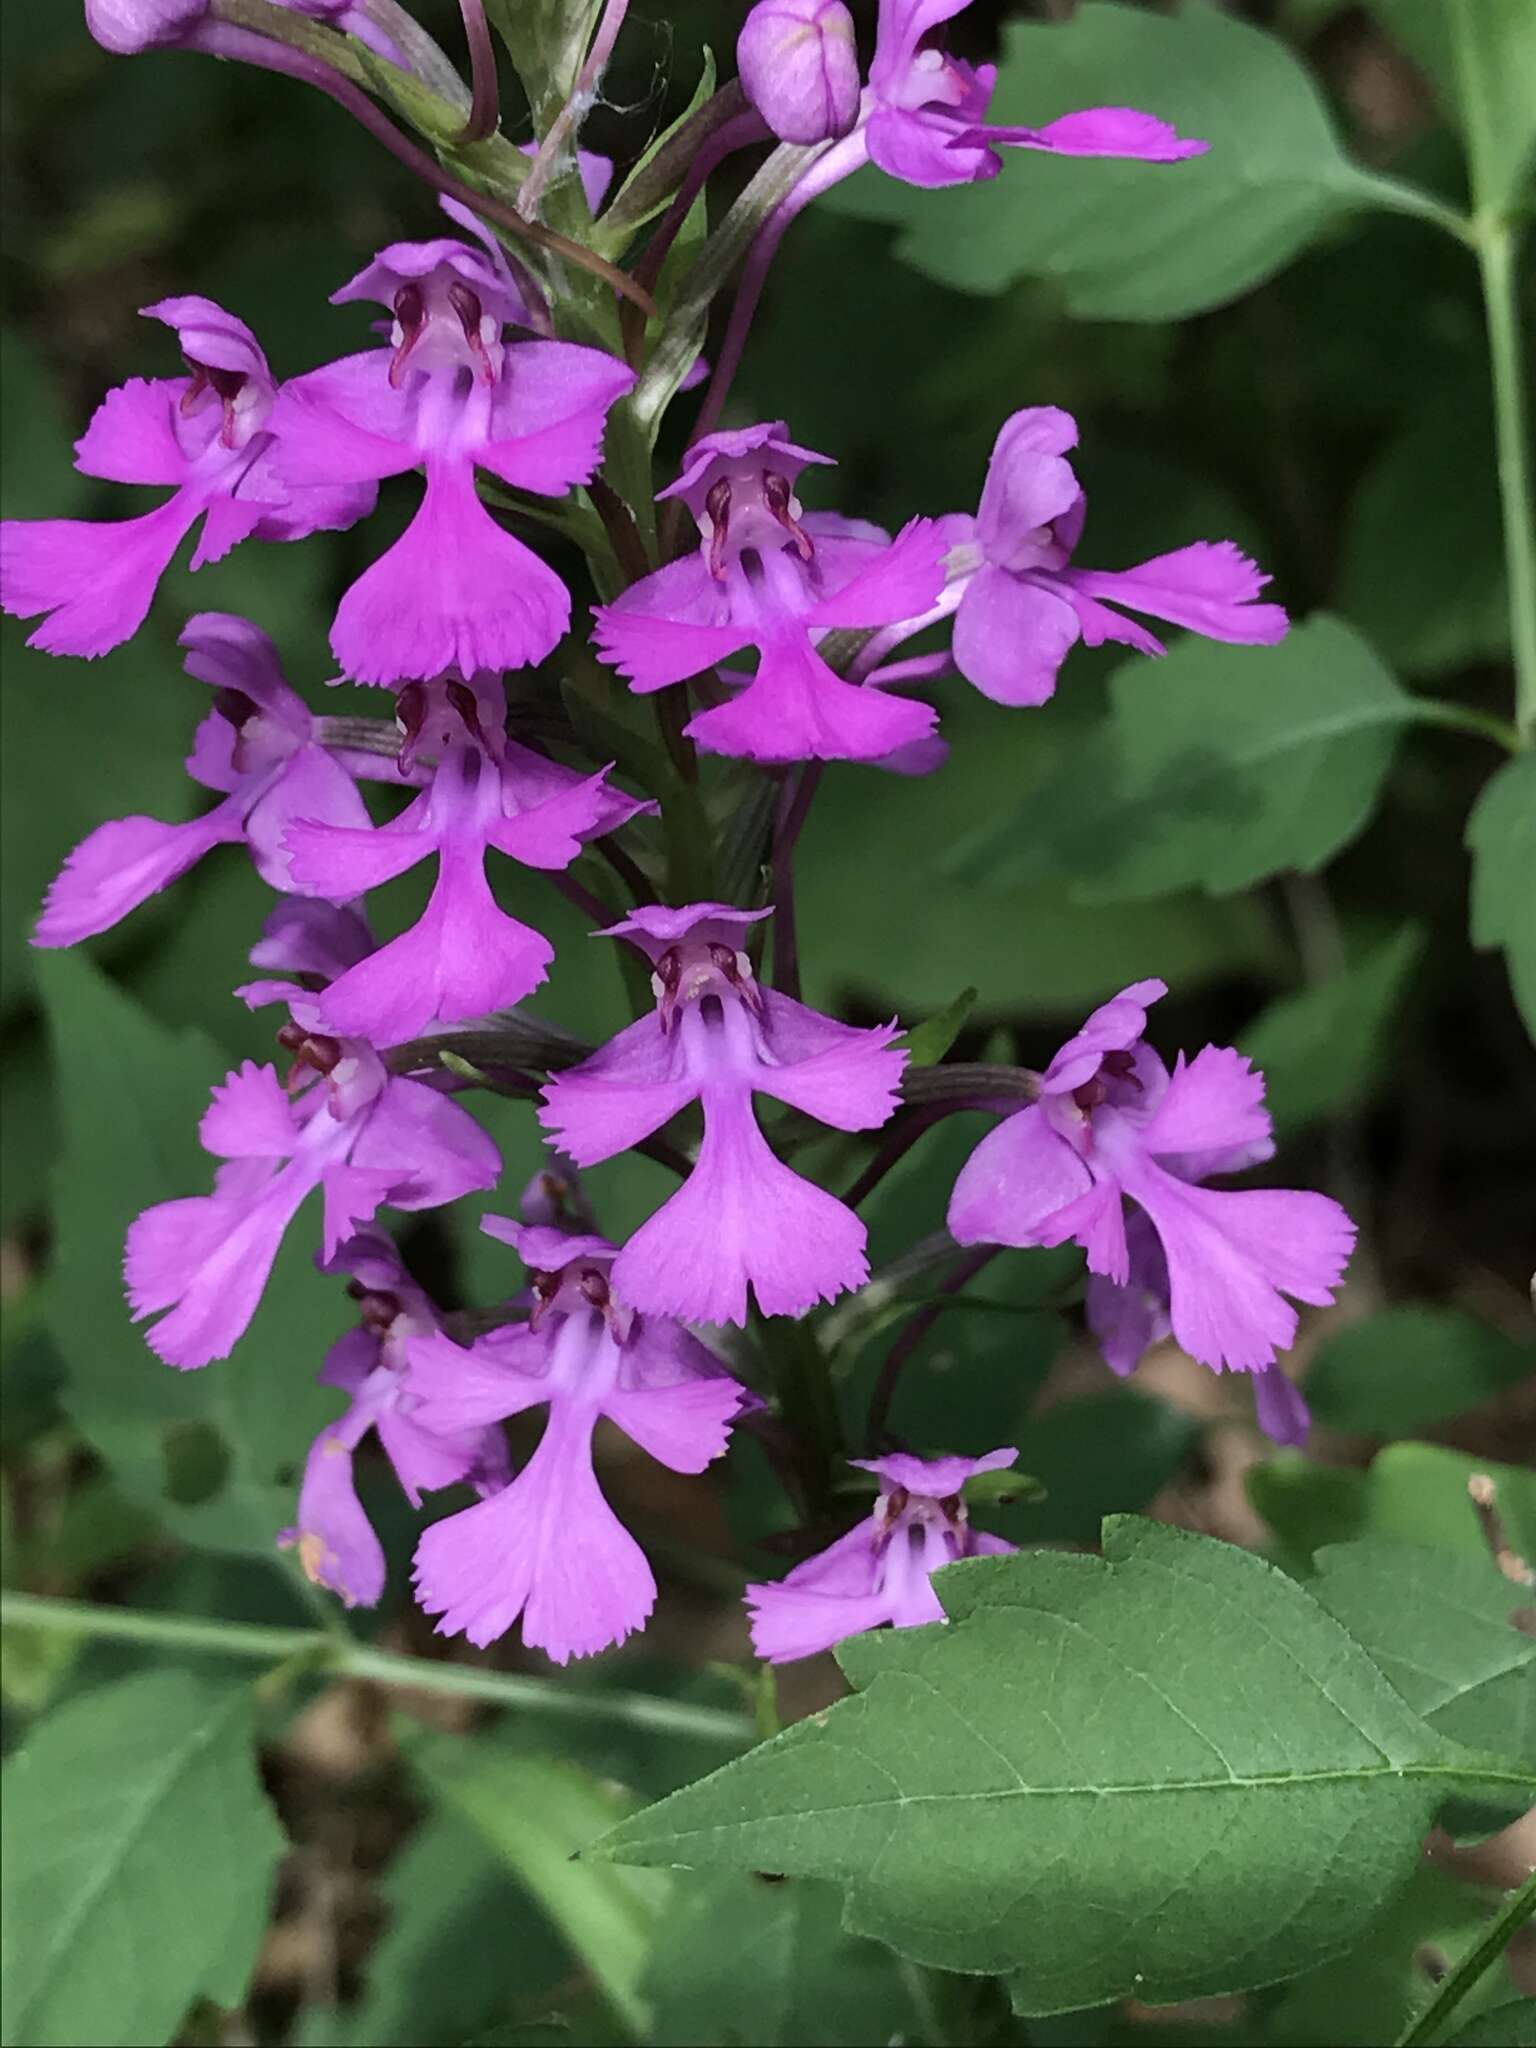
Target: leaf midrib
[[157, 1791]]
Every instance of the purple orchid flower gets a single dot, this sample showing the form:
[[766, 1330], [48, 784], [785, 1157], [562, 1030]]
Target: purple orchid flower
[[742, 1217], [209, 434], [259, 746], [799, 66], [549, 1547], [465, 956], [766, 575], [456, 591], [335, 1541], [125, 27], [926, 121], [882, 1570], [1112, 1124], [1022, 607], [359, 1134]]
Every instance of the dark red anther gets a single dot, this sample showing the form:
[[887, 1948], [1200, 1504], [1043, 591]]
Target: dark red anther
[[226, 385], [291, 1037], [896, 1502], [952, 1508], [668, 972], [728, 965], [778, 497], [235, 706], [310, 1049], [378, 1309], [462, 698], [717, 504], [411, 312], [594, 1287], [410, 715], [470, 311], [1121, 1066]]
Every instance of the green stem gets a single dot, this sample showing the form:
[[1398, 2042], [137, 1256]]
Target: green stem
[[355, 1660], [1466, 718], [1496, 261], [1468, 1973]]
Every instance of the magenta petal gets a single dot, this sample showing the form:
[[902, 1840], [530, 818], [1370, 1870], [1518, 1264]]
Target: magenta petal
[[423, 1461], [313, 786], [839, 1074], [452, 1389], [919, 152], [437, 1150], [741, 1218], [210, 1255], [789, 1622], [1126, 1321], [1233, 1255], [343, 424], [122, 863], [97, 581], [334, 1538], [464, 957], [550, 834], [1028, 485], [548, 1548], [1208, 587], [685, 1426], [132, 435], [352, 1197], [548, 413], [629, 1088], [1213, 1103], [1011, 636], [901, 581], [343, 861], [796, 709], [1096, 1220], [651, 652], [455, 591], [1283, 1414], [1014, 1182], [1099, 131], [1114, 1026], [249, 1116]]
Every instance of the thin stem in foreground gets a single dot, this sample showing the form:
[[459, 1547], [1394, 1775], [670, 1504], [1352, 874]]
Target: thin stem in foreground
[[1431, 2023], [355, 1660], [1496, 262], [485, 106], [794, 808], [960, 1275]]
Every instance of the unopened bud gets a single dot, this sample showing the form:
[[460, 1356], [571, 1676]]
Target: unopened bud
[[799, 67], [127, 26]]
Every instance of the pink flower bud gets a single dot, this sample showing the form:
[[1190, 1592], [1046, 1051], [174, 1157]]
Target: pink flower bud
[[127, 26], [800, 68]]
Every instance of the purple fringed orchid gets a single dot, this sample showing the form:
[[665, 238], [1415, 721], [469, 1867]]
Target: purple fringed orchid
[[716, 1037], [768, 576], [1022, 606], [799, 66], [125, 27], [926, 122], [344, 1125], [448, 396], [259, 747], [1111, 1125], [882, 1570], [549, 1547], [465, 956], [209, 434], [336, 1545]]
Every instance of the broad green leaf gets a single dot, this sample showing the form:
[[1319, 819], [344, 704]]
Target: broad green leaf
[[1502, 835], [1217, 767], [1439, 1627], [214, 1453], [547, 40], [140, 1853], [1512, 2025], [537, 1814], [1412, 1493], [744, 1963], [1408, 1367], [1130, 241], [463, 1947], [1096, 1455], [1325, 1048], [1495, 53], [1166, 1772], [1421, 568]]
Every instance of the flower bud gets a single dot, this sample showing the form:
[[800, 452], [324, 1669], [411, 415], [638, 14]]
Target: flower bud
[[799, 67], [127, 26]]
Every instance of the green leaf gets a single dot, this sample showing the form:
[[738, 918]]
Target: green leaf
[[1501, 833], [547, 40], [1215, 769], [1505, 2026], [1408, 1367], [1166, 1772], [1412, 1493], [928, 1042], [1438, 1626], [1495, 49], [139, 1859], [1094, 1456], [215, 1453], [743, 1963], [1324, 1048], [1131, 241], [537, 1813], [1421, 569]]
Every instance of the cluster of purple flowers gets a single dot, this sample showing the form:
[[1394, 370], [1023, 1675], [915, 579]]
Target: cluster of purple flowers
[[784, 624]]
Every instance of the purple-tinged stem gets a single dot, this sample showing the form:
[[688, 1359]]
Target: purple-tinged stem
[[794, 808], [922, 668], [871, 655], [628, 870], [838, 163], [224, 39], [583, 898], [485, 104], [960, 1275], [898, 1141], [547, 158]]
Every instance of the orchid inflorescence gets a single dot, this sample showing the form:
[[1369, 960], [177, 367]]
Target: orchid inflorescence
[[769, 635]]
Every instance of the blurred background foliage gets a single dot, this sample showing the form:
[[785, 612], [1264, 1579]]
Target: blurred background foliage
[[1319, 397]]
